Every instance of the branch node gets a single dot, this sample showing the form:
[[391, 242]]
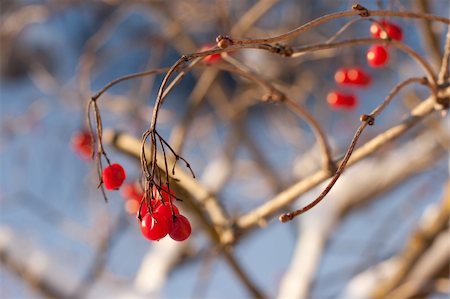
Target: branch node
[[285, 217], [363, 12], [442, 97], [424, 81], [283, 50], [273, 96], [224, 41], [370, 120]]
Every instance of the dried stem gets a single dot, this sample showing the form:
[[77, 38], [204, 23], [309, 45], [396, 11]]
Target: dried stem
[[366, 120], [277, 95], [128, 77], [430, 226], [198, 199], [296, 32], [443, 72], [267, 210], [367, 41], [428, 36]]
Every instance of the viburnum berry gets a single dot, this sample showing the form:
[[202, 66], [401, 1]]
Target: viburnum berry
[[377, 56], [81, 144], [113, 176], [352, 76], [181, 228], [384, 29], [341, 76], [155, 226], [338, 99], [210, 59], [166, 211]]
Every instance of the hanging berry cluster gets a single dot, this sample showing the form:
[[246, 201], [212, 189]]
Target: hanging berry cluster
[[159, 218], [377, 56]]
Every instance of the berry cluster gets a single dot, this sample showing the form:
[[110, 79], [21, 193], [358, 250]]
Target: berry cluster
[[377, 56], [354, 76], [161, 221], [159, 218]]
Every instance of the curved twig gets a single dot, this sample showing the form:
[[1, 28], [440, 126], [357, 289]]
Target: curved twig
[[367, 120]]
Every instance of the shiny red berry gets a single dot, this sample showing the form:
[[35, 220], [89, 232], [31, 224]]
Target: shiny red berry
[[210, 59], [338, 99], [166, 211], [81, 144], [385, 29], [358, 76], [341, 76], [181, 228], [352, 76], [155, 227], [113, 176], [377, 56]]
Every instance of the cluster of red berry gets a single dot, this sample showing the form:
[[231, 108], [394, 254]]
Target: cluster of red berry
[[165, 218], [377, 56]]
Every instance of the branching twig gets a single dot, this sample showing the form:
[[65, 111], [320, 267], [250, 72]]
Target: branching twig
[[265, 211], [367, 120]]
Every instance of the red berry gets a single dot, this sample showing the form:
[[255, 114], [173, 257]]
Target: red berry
[[144, 210], [181, 228], [81, 144], [338, 99], [210, 59], [377, 56], [358, 76], [341, 76], [155, 204], [155, 227], [352, 76], [166, 211], [385, 29], [163, 191], [113, 176]]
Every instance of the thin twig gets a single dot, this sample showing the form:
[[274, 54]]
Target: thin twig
[[128, 77], [443, 72], [262, 213], [278, 95], [366, 120], [198, 200], [297, 31]]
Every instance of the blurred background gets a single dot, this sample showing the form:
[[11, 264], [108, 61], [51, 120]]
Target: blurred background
[[382, 232]]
